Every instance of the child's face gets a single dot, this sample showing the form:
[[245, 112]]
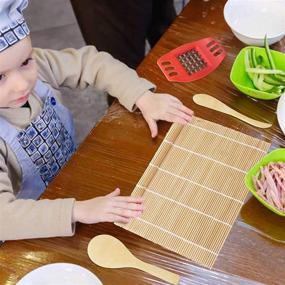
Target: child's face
[[18, 74]]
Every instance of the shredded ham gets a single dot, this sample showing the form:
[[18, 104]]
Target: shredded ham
[[270, 184]]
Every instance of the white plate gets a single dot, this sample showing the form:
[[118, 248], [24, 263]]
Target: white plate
[[281, 113], [60, 274]]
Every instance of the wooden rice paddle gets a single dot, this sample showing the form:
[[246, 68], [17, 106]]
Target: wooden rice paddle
[[213, 103], [107, 251]]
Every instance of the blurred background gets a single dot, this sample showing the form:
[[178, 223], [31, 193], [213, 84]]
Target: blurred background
[[53, 25]]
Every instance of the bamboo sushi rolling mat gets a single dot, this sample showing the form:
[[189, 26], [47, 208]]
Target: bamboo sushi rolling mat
[[194, 188]]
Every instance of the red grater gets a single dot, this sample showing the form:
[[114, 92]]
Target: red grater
[[192, 61]]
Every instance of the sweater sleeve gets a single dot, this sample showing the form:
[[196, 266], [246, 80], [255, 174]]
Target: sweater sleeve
[[22, 219], [86, 66]]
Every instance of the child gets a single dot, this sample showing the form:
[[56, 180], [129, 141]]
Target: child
[[37, 135]]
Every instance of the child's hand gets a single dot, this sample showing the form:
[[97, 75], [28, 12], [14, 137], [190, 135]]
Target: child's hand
[[165, 107], [109, 208]]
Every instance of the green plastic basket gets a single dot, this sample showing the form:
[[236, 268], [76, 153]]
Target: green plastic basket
[[274, 156], [241, 80]]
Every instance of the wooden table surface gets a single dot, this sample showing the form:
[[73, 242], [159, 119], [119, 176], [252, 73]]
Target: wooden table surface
[[119, 149]]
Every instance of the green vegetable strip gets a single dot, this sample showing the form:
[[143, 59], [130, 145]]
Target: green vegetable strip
[[280, 77], [261, 85], [253, 57], [278, 89], [268, 78], [268, 52], [270, 59], [265, 71], [260, 59], [247, 58]]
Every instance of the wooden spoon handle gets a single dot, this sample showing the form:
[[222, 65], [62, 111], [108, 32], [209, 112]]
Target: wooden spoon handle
[[213, 103], [161, 273]]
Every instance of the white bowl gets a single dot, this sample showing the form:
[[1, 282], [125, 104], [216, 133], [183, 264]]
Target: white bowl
[[281, 113], [60, 274], [251, 20]]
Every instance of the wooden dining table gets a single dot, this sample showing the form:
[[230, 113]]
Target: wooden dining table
[[118, 150]]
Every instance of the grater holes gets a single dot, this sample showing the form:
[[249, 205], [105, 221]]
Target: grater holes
[[210, 43], [192, 61], [173, 73], [218, 52], [214, 48], [166, 63]]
